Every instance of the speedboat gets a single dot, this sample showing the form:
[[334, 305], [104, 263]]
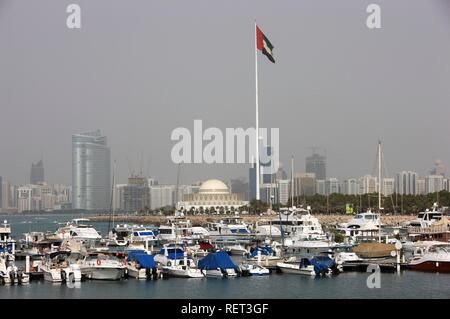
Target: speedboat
[[254, 270], [435, 258], [363, 224], [102, 267], [175, 262], [237, 250], [10, 273], [57, 267], [427, 218], [303, 267]]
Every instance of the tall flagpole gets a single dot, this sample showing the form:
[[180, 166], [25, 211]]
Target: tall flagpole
[[257, 120]]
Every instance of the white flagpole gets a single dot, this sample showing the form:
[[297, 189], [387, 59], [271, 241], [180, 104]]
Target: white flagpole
[[257, 120]]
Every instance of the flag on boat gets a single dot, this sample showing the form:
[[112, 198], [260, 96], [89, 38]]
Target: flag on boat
[[263, 44]]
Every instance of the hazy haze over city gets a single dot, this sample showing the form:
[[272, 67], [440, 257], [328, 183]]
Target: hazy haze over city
[[139, 69]]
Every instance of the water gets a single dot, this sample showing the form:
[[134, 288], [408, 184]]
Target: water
[[408, 284]]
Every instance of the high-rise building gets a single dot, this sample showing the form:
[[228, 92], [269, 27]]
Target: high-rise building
[[316, 164], [284, 191], [421, 186], [1, 193], [162, 196], [269, 191], [304, 184], [405, 183], [332, 186], [37, 173], [91, 171], [320, 187], [434, 183], [388, 186], [136, 194], [367, 184], [350, 186]]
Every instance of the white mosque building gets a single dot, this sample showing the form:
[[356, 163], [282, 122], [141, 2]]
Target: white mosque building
[[212, 194]]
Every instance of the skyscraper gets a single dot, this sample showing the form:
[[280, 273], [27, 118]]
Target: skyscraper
[[37, 173], [316, 164], [1, 193], [91, 171], [405, 183]]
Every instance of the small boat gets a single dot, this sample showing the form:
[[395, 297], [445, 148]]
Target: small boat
[[435, 258], [140, 265], [10, 273], [57, 267], [373, 250], [254, 270], [237, 250], [303, 267], [102, 267], [218, 264]]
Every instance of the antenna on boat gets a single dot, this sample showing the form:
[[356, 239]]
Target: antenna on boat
[[292, 181], [379, 191]]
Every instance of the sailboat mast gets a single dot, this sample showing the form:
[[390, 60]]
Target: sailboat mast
[[292, 181], [379, 191]]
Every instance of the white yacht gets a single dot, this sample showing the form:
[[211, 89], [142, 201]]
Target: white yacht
[[134, 235], [362, 224], [7, 244], [78, 229], [102, 267], [232, 226], [140, 265], [427, 218], [299, 223]]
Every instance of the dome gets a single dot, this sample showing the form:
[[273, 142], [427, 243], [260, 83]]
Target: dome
[[214, 186]]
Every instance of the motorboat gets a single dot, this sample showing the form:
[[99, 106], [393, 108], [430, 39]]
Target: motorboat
[[427, 218], [7, 243], [140, 265], [303, 267], [218, 264], [10, 273], [366, 224], [169, 255], [435, 258], [102, 267], [229, 227], [237, 249], [307, 248], [267, 256], [78, 229], [344, 257], [57, 267], [299, 223], [175, 262], [254, 270]]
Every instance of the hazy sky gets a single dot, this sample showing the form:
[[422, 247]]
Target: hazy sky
[[138, 69]]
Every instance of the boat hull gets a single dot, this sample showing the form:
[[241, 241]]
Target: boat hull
[[297, 270], [431, 266], [103, 273]]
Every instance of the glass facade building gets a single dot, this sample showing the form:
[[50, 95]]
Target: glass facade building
[[91, 171]]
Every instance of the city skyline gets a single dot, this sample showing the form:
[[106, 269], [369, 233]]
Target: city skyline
[[342, 95]]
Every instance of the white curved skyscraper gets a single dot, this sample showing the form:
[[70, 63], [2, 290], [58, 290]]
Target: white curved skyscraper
[[91, 171]]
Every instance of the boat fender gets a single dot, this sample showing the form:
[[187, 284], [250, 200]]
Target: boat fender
[[99, 262], [169, 263]]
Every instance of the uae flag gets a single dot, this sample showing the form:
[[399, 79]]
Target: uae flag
[[263, 44]]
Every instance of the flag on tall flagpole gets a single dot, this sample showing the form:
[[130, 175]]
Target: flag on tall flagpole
[[263, 44]]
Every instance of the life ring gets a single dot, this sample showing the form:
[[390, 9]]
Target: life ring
[[99, 262], [169, 263]]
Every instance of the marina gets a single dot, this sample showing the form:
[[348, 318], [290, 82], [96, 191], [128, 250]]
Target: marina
[[153, 266]]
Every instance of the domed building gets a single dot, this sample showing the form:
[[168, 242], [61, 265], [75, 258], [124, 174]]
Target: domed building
[[212, 194]]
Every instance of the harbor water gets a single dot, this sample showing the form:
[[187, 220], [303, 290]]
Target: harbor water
[[407, 284]]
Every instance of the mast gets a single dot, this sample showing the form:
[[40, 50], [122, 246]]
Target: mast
[[379, 191], [112, 203], [292, 181], [257, 116]]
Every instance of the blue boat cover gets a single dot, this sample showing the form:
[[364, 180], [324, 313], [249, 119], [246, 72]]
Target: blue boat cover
[[321, 263], [265, 251], [145, 260], [217, 260], [173, 253]]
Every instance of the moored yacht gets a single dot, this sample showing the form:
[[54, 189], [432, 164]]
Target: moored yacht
[[435, 258], [78, 229], [57, 267], [102, 267]]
